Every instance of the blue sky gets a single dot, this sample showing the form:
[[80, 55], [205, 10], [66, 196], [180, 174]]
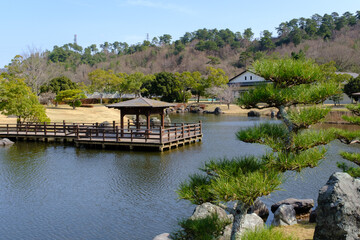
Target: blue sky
[[41, 24]]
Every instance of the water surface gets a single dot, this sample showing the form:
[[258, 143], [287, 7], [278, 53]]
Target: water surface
[[56, 191]]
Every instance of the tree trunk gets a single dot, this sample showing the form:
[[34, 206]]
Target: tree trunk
[[239, 218], [198, 100]]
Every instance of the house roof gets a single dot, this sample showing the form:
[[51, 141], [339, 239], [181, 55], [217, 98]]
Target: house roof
[[141, 102], [239, 75]]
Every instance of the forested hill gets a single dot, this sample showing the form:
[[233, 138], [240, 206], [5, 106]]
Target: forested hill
[[332, 37]]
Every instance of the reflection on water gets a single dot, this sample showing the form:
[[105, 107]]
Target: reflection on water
[[52, 191]]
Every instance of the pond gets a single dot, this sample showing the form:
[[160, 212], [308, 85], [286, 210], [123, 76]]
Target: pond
[[56, 191]]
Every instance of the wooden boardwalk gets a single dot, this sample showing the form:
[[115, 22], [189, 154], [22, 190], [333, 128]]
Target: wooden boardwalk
[[172, 135]]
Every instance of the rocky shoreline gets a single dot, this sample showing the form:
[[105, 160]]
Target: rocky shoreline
[[337, 215]]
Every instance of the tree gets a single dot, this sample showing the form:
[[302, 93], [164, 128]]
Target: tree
[[248, 34], [266, 42], [244, 179], [71, 96], [103, 81], [16, 98], [353, 86], [166, 85], [58, 84], [165, 39], [187, 82]]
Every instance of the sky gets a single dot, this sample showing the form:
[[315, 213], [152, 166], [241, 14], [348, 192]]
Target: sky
[[41, 24]]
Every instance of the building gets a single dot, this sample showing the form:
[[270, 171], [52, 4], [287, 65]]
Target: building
[[243, 81]]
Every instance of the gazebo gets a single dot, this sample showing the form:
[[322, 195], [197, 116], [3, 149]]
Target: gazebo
[[141, 106]]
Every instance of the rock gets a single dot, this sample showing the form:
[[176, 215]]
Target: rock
[[312, 218], [284, 215], [217, 111], [338, 210], [301, 206], [251, 222], [5, 142], [206, 209], [260, 209], [253, 114], [163, 236]]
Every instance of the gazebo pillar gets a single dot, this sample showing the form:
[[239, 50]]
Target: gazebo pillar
[[162, 119], [137, 121], [122, 115]]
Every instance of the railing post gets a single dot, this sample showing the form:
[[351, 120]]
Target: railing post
[[168, 135], [97, 129], [35, 128], [77, 132], [54, 129], [200, 125], [113, 125], [117, 134], [7, 128], [131, 135], [103, 132], [182, 130], [45, 130], [64, 128]]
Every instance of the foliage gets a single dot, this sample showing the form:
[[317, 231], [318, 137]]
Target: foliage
[[239, 179], [207, 228], [16, 98], [349, 137], [166, 85], [266, 233], [353, 86], [71, 96], [58, 84]]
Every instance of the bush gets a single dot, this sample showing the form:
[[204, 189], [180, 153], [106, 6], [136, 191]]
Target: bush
[[207, 228], [266, 233]]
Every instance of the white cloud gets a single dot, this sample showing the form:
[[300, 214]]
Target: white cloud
[[160, 5]]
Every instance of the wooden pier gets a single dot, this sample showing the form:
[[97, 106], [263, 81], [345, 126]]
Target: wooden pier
[[132, 136]]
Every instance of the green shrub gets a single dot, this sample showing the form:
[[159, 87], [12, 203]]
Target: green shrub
[[208, 228], [266, 233]]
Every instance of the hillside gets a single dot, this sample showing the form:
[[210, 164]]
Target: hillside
[[323, 38]]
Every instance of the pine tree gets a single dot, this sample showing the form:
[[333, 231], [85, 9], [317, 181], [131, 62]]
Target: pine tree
[[295, 87]]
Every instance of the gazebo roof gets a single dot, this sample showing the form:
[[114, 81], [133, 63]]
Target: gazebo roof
[[141, 103]]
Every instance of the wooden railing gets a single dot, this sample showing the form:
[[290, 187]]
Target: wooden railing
[[109, 133]]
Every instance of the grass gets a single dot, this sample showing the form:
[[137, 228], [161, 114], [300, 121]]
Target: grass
[[300, 231], [99, 113]]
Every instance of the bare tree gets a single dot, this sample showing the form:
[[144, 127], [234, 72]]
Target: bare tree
[[227, 96]]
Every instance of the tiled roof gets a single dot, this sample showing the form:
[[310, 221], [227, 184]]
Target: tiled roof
[[141, 102]]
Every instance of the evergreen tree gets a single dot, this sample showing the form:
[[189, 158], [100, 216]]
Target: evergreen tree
[[242, 180]]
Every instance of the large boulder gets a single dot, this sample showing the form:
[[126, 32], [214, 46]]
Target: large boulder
[[300, 206], [338, 210], [5, 142], [285, 215], [260, 209], [206, 209]]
